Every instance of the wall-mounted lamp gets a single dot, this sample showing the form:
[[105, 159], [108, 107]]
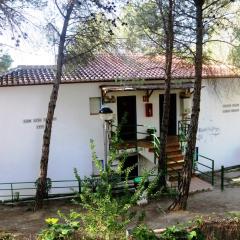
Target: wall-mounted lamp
[[106, 114]]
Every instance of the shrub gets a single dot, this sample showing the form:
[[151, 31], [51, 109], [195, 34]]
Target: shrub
[[181, 233], [106, 201], [107, 212], [60, 231], [6, 236], [142, 232]]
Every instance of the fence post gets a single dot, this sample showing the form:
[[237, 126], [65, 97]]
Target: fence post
[[196, 157], [12, 193], [79, 186], [213, 173], [222, 178]]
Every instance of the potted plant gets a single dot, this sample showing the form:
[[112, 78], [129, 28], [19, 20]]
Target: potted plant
[[151, 132]]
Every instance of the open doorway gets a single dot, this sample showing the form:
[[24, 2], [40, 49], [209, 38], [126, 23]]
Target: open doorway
[[172, 125], [127, 117]]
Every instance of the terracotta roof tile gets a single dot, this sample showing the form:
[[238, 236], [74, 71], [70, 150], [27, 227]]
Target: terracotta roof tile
[[106, 67]]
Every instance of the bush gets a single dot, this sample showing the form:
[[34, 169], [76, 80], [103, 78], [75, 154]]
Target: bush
[[60, 231], [142, 232], [6, 236], [106, 212]]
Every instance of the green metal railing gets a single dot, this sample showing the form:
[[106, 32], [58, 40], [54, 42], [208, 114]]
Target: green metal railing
[[66, 188], [156, 144], [156, 147], [222, 177], [16, 191], [200, 162], [183, 129], [206, 163], [149, 134]]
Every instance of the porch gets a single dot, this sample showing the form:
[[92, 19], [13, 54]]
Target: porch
[[146, 147]]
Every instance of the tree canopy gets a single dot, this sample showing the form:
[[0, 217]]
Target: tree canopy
[[5, 62]]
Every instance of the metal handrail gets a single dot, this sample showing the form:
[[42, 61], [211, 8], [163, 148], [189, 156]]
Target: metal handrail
[[14, 187], [206, 158], [183, 128], [53, 181], [92, 180], [204, 165], [196, 162]]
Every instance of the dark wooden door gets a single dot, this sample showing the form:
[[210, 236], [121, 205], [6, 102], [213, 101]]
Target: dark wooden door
[[172, 125], [127, 117]]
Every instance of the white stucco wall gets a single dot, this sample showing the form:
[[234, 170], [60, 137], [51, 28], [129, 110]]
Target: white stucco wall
[[20, 143], [219, 131]]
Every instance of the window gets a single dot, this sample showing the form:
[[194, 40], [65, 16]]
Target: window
[[95, 105]]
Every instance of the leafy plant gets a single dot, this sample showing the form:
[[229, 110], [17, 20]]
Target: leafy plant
[[105, 199], [107, 212], [151, 131], [16, 196], [60, 231], [234, 214], [181, 232], [6, 236], [142, 232]]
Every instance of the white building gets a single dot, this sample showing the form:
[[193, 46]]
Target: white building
[[132, 84]]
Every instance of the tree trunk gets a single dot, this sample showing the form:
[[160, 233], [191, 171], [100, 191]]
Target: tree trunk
[[41, 187], [166, 104], [180, 202]]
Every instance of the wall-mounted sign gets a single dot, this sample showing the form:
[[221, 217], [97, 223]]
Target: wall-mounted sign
[[230, 108], [40, 122]]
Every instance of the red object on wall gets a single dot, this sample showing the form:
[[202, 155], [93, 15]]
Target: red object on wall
[[148, 109], [145, 98]]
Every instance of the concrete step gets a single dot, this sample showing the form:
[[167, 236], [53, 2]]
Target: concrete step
[[169, 149], [172, 138], [171, 144], [174, 169], [173, 164], [175, 158], [173, 178], [174, 152], [172, 148]]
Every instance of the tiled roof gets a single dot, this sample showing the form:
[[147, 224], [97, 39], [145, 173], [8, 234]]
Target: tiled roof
[[108, 67]]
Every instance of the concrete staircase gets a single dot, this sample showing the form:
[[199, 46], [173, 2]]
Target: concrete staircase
[[175, 162], [175, 158]]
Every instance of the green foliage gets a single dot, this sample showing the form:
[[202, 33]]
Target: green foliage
[[107, 211], [174, 233], [234, 214], [92, 36], [105, 217], [144, 32], [142, 232], [5, 62], [16, 196], [234, 55], [181, 232], [105, 200], [57, 231], [6, 236]]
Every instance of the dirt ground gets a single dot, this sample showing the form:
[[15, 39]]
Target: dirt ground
[[25, 223]]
